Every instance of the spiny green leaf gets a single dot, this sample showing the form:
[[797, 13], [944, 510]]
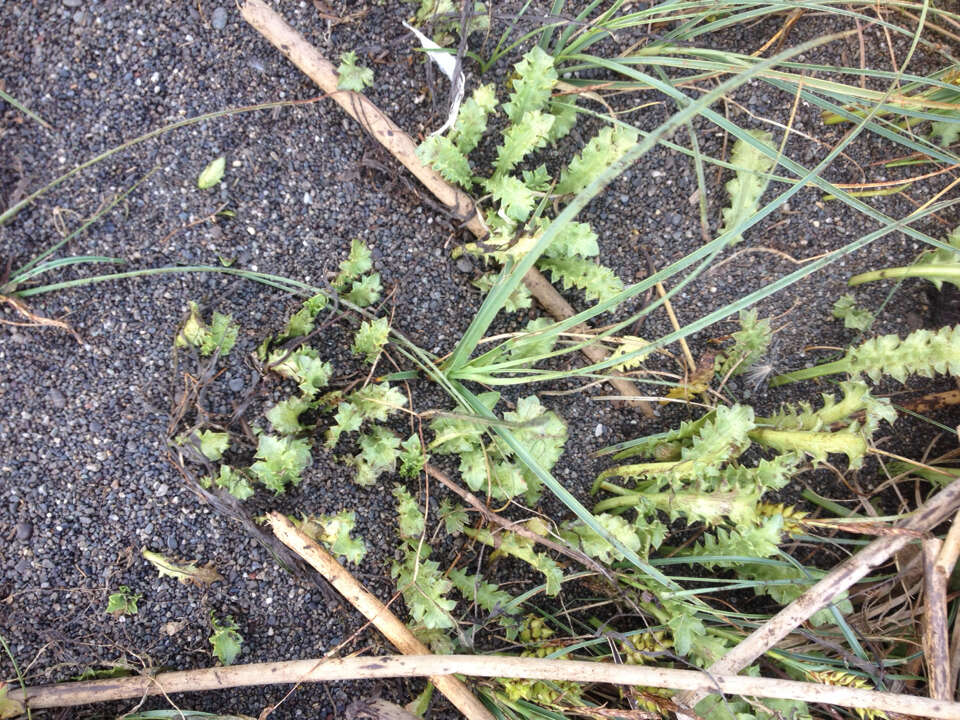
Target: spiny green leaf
[[333, 531], [685, 627], [424, 589], [213, 444], [365, 291], [412, 457], [590, 542], [516, 199], [303, 366], [759, 541], [222, 335], [352, 76], [537, 179], [301, 322], [123, 602], [945, 132], [232, 481], [854, 318], [575, 239], [454, 516], [225, 639], [285, 415], [371, 337], [472, 120], [377, 401], [596, 281], [280, 462], [357, 263], [534, 78], [520, 299], [409, 517], [378, 454], [604, 149], [629, 344], [446, 158], [473, 588], [565, 117], [522, 138], [212, 174], [750, 182]]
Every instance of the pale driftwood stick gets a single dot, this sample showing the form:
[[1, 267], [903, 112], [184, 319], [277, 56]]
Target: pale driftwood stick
[[375, 611], [392, 666], [377, 709], [947, 559], [955, 657], [935, 622], [842, 577], [302, 54]]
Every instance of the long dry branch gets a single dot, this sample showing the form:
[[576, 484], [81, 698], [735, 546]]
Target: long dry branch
[[301, 53], [393, 666], [841, 578], [375, 611]]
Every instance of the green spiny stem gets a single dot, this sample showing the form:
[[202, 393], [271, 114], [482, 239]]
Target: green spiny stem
[[610, 487], [618, 502], [810, 441], [949, 272]]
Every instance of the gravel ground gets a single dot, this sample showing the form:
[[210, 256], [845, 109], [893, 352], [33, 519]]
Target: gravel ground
[[85, 482]]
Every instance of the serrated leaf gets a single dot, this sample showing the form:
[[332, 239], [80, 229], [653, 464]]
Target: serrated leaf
[[377, 401], [233, 482], [454, 516], [409, 517], [445, 157], [185, 573], [565, 117], [352, 76], [596, 281], [945, 132], [285, 415], [212, 174], [303, 366], [854, 318], [604, 149], [281, 460], [424, 589], [412, 457], [123, 602], [520, 299], [590, 542], [516, 199], [522, 138], [533, 81], [472, 120], [751, 342], [685, 627], [213, 444], [301, 322], [474, 589], [538, 179], [746, 188], [225, 639], [357, 263], [365, 291], [574, 239], [629, 344], [370, 338], [222, 335], [378, 454], [333, 531]]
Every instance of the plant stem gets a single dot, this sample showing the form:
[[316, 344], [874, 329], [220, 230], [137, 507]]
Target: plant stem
[[830, 368], [948, 272]]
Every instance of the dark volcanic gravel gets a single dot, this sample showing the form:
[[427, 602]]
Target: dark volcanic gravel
[[84, 479]]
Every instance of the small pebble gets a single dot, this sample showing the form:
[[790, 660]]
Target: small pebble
[[464, 265], [24, 531], [162, 490], [72, 3], [172, 542], [23, 567], [236, 384], [57, 399], [219, 18]]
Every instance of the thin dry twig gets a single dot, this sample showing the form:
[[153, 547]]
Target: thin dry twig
[[935, 622], [375, 611], [392, 666], [302, 54]]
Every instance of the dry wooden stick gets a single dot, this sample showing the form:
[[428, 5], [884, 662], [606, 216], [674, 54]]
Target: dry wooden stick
[[946, 561], [842, 577], [374, 610], [392, 666], [935, 622], [302, 54]]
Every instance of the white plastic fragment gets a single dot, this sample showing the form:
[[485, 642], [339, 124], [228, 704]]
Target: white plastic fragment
[[448, 66]]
